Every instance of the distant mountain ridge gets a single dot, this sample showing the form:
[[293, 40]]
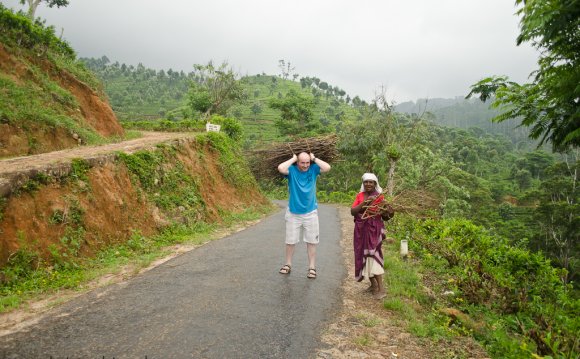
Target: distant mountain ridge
[[465, 113]]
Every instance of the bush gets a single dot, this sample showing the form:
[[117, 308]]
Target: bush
[[19, 30], [231, 126], [520, 286]]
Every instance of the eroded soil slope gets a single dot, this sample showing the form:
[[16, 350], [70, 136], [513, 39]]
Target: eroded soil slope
[[107, 205], [59, 92]]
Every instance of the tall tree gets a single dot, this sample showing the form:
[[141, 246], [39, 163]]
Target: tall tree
[[33, 4], [215, 90], [286, 68], [550, 105], [558, 214], [381, 138], [297, 118]]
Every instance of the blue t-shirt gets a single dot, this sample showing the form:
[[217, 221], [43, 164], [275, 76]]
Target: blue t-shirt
[[302, 188]]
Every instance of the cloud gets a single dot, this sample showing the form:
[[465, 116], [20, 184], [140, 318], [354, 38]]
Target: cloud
[[416, 48]]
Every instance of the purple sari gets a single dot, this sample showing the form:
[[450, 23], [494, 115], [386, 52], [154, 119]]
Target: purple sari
[[368, 238]]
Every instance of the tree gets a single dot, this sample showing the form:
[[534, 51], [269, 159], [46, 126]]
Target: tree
[[558, 214], [215, 90], [256, 109], [523, 178], [538, 161], [33, 4], [381, 138], [286, 69], [273, 85], [297, 116], [550, 105]]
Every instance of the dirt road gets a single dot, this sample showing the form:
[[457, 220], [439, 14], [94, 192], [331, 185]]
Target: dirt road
[[16, 171], [24, 163]]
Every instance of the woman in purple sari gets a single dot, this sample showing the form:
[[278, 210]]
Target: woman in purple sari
[[369, 233]]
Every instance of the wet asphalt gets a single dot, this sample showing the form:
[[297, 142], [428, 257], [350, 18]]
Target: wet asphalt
[[225, 299]]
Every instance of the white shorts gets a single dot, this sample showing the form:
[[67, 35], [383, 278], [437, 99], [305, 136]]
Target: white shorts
[[301, 225]]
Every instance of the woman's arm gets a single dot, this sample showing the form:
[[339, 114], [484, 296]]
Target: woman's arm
[[361, 206]]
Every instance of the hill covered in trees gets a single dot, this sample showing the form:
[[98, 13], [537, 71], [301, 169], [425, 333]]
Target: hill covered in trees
[[467, 113], [138, 93]]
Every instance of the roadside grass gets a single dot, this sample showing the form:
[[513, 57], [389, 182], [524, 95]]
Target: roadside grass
[[368, 320], [409, 301], [130, 257], [459, 282], [364, 340]]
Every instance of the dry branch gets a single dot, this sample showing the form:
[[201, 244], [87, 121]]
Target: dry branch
[[419, 203], [265, 161]]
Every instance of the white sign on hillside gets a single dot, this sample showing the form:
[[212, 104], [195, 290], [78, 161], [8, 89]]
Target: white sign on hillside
[[212, 127]]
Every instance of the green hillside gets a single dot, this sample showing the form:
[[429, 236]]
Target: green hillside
[[139, 93], [258, 118], [49, 99], [467, 113]]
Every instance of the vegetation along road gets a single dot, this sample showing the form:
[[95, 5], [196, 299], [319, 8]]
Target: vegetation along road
[[222, 300]]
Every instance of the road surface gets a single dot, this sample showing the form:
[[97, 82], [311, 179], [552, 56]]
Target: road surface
[[225, 299]]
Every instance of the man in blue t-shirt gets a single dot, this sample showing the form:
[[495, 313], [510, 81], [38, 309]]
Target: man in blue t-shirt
[[302, 211]]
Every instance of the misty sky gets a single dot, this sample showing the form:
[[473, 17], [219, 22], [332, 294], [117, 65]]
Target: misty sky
[[414, 48]]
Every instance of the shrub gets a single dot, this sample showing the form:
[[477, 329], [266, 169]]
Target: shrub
[[231, 126], [520, 286], [19, 30]]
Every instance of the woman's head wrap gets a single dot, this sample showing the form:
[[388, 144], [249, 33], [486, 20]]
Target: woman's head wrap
[[371, 177]]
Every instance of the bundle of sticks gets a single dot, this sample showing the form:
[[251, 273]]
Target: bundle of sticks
[[378, 207], [418, 203], [265, 161]]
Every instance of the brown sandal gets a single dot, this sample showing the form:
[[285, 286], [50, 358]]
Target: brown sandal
[[311, 273], [286, 268]]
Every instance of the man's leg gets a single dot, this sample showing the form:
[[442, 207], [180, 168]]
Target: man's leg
[[311, 234], [311, 248], [292, 233], [289, 253]]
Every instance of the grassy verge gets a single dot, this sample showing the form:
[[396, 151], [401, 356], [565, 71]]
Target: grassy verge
[[408, 298], [462, 282], [134, 255]]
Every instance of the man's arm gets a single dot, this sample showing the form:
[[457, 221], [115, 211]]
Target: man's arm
[[324, 167], [283, 167]]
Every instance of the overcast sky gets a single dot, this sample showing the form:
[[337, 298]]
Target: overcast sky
[[414, 48]]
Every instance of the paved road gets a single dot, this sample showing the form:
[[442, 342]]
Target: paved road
[[223, 300]]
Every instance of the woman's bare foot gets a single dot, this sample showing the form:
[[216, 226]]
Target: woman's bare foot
[[374, 285], [379, 294]]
